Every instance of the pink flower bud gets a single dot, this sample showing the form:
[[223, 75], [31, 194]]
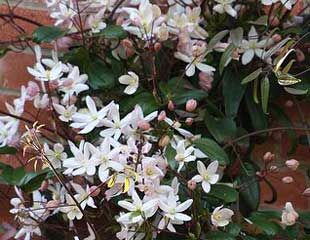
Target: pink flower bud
[[144, 125], [300, 56], [32, 89], [52, 204], [205, 80], [44, 185], [64, 43], [287, 179], [191, 105], [268, 157], [189, 121], [126, 43], [191, 184], [306, 192], [157, 47], [67, 82], [171, 106], [276, 37], [162, 116], [292, 164], [289, 103], [94, 191]]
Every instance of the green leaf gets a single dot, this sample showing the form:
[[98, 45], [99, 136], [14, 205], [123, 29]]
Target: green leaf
[[233, 229], [252, 76], [12, 176], [268, 227], [145, 99], [216, 38], [8, 150], [233, 93], [99, 75], [212, 150], [217, 235], [250, 191], [236, 36], [224, 192], [262, 20], [33, 180], [226, 56], [285, 121], [170, 154], [47, 34], [265, 87], [221, 129], [113, 32], [296, 91], [257, 116]]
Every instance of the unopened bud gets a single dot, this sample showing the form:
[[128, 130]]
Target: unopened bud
[[287, 179], [191, 105], [306, 193], [276, 38], [191, 184], [289, 103], [300, 56], [292, 164], [157, 47], [162, 116], [144, 125], [189, 121], [94, 191], [164, 141], [268, 157], [171, 106]]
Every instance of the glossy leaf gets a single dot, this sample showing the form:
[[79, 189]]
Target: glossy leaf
[[226, 56], [224, 192], [252, 76], [212, 150], [47, 34], [113, 32], [265, 87]]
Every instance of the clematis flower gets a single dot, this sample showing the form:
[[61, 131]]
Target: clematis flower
[[55, 156], [287, 3], [132, 80], [72, 210], [184, 155], [253, 47], [83, 196], [95, 21], [221, 216], [207, 175], [172, 212], [65, 113], [289, 215], [139, 211], [81, 162], [225, 6], [65, 14], [41, 74], [91, 119]]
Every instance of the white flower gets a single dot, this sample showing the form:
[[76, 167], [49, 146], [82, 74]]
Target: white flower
[[41, 74], [55, 156], [88, 121], [95, 21], [289, 215], [184, 155], [81, 162], [287, 3], [83, 196], [113, 123], [65, 113], [41, 101], [65, 14], [132, 80], [104, 158], [72, 210], [225, 6], [74, 83], [253, 47], [172, 212], [8, 131], [221, 216], [207, 176], [139, 211]]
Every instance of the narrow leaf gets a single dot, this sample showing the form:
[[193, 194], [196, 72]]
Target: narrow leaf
[[252, 76]]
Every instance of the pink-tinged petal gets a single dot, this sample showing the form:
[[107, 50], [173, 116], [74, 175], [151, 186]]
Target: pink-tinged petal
[[182, 217], [212, 168], [206, 186], [201, 168], [183, 206]]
